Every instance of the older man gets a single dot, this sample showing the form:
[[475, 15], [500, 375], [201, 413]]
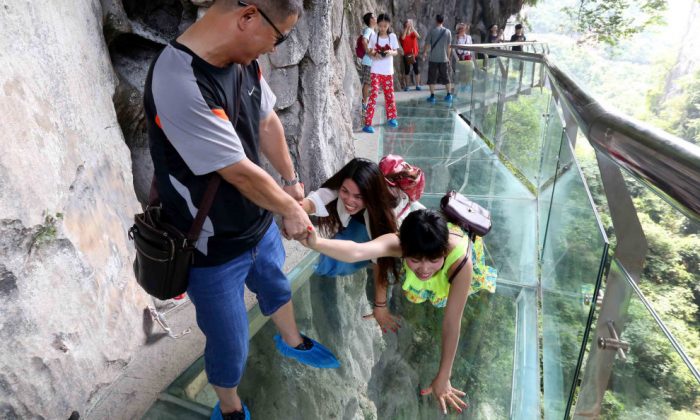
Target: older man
[[195, 89]]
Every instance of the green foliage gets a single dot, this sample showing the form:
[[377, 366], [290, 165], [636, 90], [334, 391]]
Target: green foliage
[[609, 21], [678, 114], [47, 231]]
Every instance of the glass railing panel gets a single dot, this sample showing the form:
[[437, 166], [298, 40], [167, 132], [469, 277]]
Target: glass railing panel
[[528, 68], [671, 270], [515, 75], [671, 276], [654, 382], [479, 85], [554, 133], [522, 132], [463, 76], [572, 260]]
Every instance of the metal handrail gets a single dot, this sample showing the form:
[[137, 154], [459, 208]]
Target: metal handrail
[[667, 164]]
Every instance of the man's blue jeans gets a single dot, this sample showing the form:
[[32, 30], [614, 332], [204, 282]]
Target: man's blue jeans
[[217, 294]]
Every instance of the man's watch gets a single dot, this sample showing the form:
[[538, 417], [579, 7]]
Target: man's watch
[[293, 181]]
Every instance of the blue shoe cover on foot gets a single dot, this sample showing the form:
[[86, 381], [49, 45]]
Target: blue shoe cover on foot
[[448, 98], [432, 99], [318, 356], [393, 123], [368, 129], [418, 88], [216, 412]]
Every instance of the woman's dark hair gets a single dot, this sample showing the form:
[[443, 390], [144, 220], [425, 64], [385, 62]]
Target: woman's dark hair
[[367, 17], [424, 234], [379, 205], [385, 18]]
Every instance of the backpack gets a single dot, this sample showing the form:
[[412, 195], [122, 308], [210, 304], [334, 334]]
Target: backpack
[[402, 175], [360, 47]]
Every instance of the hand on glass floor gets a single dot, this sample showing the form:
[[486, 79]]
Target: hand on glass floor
[[385, 319], [446, 395]]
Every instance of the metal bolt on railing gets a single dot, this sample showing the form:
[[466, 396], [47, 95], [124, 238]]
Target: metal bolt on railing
[[614, 343], [598, 302]]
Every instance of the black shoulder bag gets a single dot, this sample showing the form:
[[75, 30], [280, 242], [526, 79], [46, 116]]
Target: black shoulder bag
[[164, 254]]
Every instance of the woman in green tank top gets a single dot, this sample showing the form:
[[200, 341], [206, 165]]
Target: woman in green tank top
[[437, 269]]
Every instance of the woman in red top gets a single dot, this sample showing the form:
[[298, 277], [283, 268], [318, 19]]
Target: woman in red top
[[409, 44]]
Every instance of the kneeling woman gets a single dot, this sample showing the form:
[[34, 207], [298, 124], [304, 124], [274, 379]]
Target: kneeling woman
[[437, 268]]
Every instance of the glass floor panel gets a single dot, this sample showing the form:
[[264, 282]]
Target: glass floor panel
[[381, 376]]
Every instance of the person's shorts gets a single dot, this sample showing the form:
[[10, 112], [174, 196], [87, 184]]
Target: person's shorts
[[407, 67], [438, 73], [217, 294], [366, 75]]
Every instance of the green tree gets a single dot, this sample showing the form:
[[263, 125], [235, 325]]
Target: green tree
[[609, 21]]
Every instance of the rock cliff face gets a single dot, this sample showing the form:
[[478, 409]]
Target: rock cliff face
[[75, 160], [71, 312]]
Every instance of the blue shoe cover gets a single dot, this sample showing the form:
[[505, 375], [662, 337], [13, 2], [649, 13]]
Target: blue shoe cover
[[318, 356], [448, 98], [368, 129], [216, 412], [418, 88], [393, 123], [432, 99]]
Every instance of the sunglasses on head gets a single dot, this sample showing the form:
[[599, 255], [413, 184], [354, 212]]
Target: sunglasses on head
[[280, 36]]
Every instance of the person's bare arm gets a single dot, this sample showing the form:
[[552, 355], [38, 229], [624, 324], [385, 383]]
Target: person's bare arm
[[274, 146], [451, 324], [258, 186], [348, 251], [380, 312]]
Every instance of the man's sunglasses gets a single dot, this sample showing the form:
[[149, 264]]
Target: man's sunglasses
[[280, 36]]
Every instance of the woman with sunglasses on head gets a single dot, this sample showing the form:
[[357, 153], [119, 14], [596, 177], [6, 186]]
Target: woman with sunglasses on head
[[356, 204]]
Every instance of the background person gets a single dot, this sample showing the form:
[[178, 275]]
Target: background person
[[370, 22], [437, 43], [518, 36], [409, 44], [462, 58], [383, 48]]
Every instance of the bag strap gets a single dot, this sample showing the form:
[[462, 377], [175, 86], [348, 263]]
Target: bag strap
[[214, 179], [432, 45], [461, 265]]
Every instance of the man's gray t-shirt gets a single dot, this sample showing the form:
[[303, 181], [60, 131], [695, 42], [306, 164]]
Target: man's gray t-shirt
[[438, 53]]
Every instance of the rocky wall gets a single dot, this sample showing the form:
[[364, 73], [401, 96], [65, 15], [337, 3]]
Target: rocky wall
[[70, 316]]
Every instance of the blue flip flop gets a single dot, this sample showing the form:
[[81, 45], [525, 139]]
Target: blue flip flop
[[318, 356], [216, 412]]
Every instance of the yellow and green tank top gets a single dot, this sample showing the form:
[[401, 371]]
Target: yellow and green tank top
[[437, 288]]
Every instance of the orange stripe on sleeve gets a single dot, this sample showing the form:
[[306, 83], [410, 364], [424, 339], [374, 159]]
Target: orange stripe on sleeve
[[220, 113], [158, 122]]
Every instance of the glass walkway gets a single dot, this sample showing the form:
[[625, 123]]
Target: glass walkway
[[547, 344]]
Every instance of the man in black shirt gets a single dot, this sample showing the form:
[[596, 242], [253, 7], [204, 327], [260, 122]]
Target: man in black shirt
[[518, 36], [193, 91]]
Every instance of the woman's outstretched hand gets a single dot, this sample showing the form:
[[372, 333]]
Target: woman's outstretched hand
[[446, 395], [385, 319]]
